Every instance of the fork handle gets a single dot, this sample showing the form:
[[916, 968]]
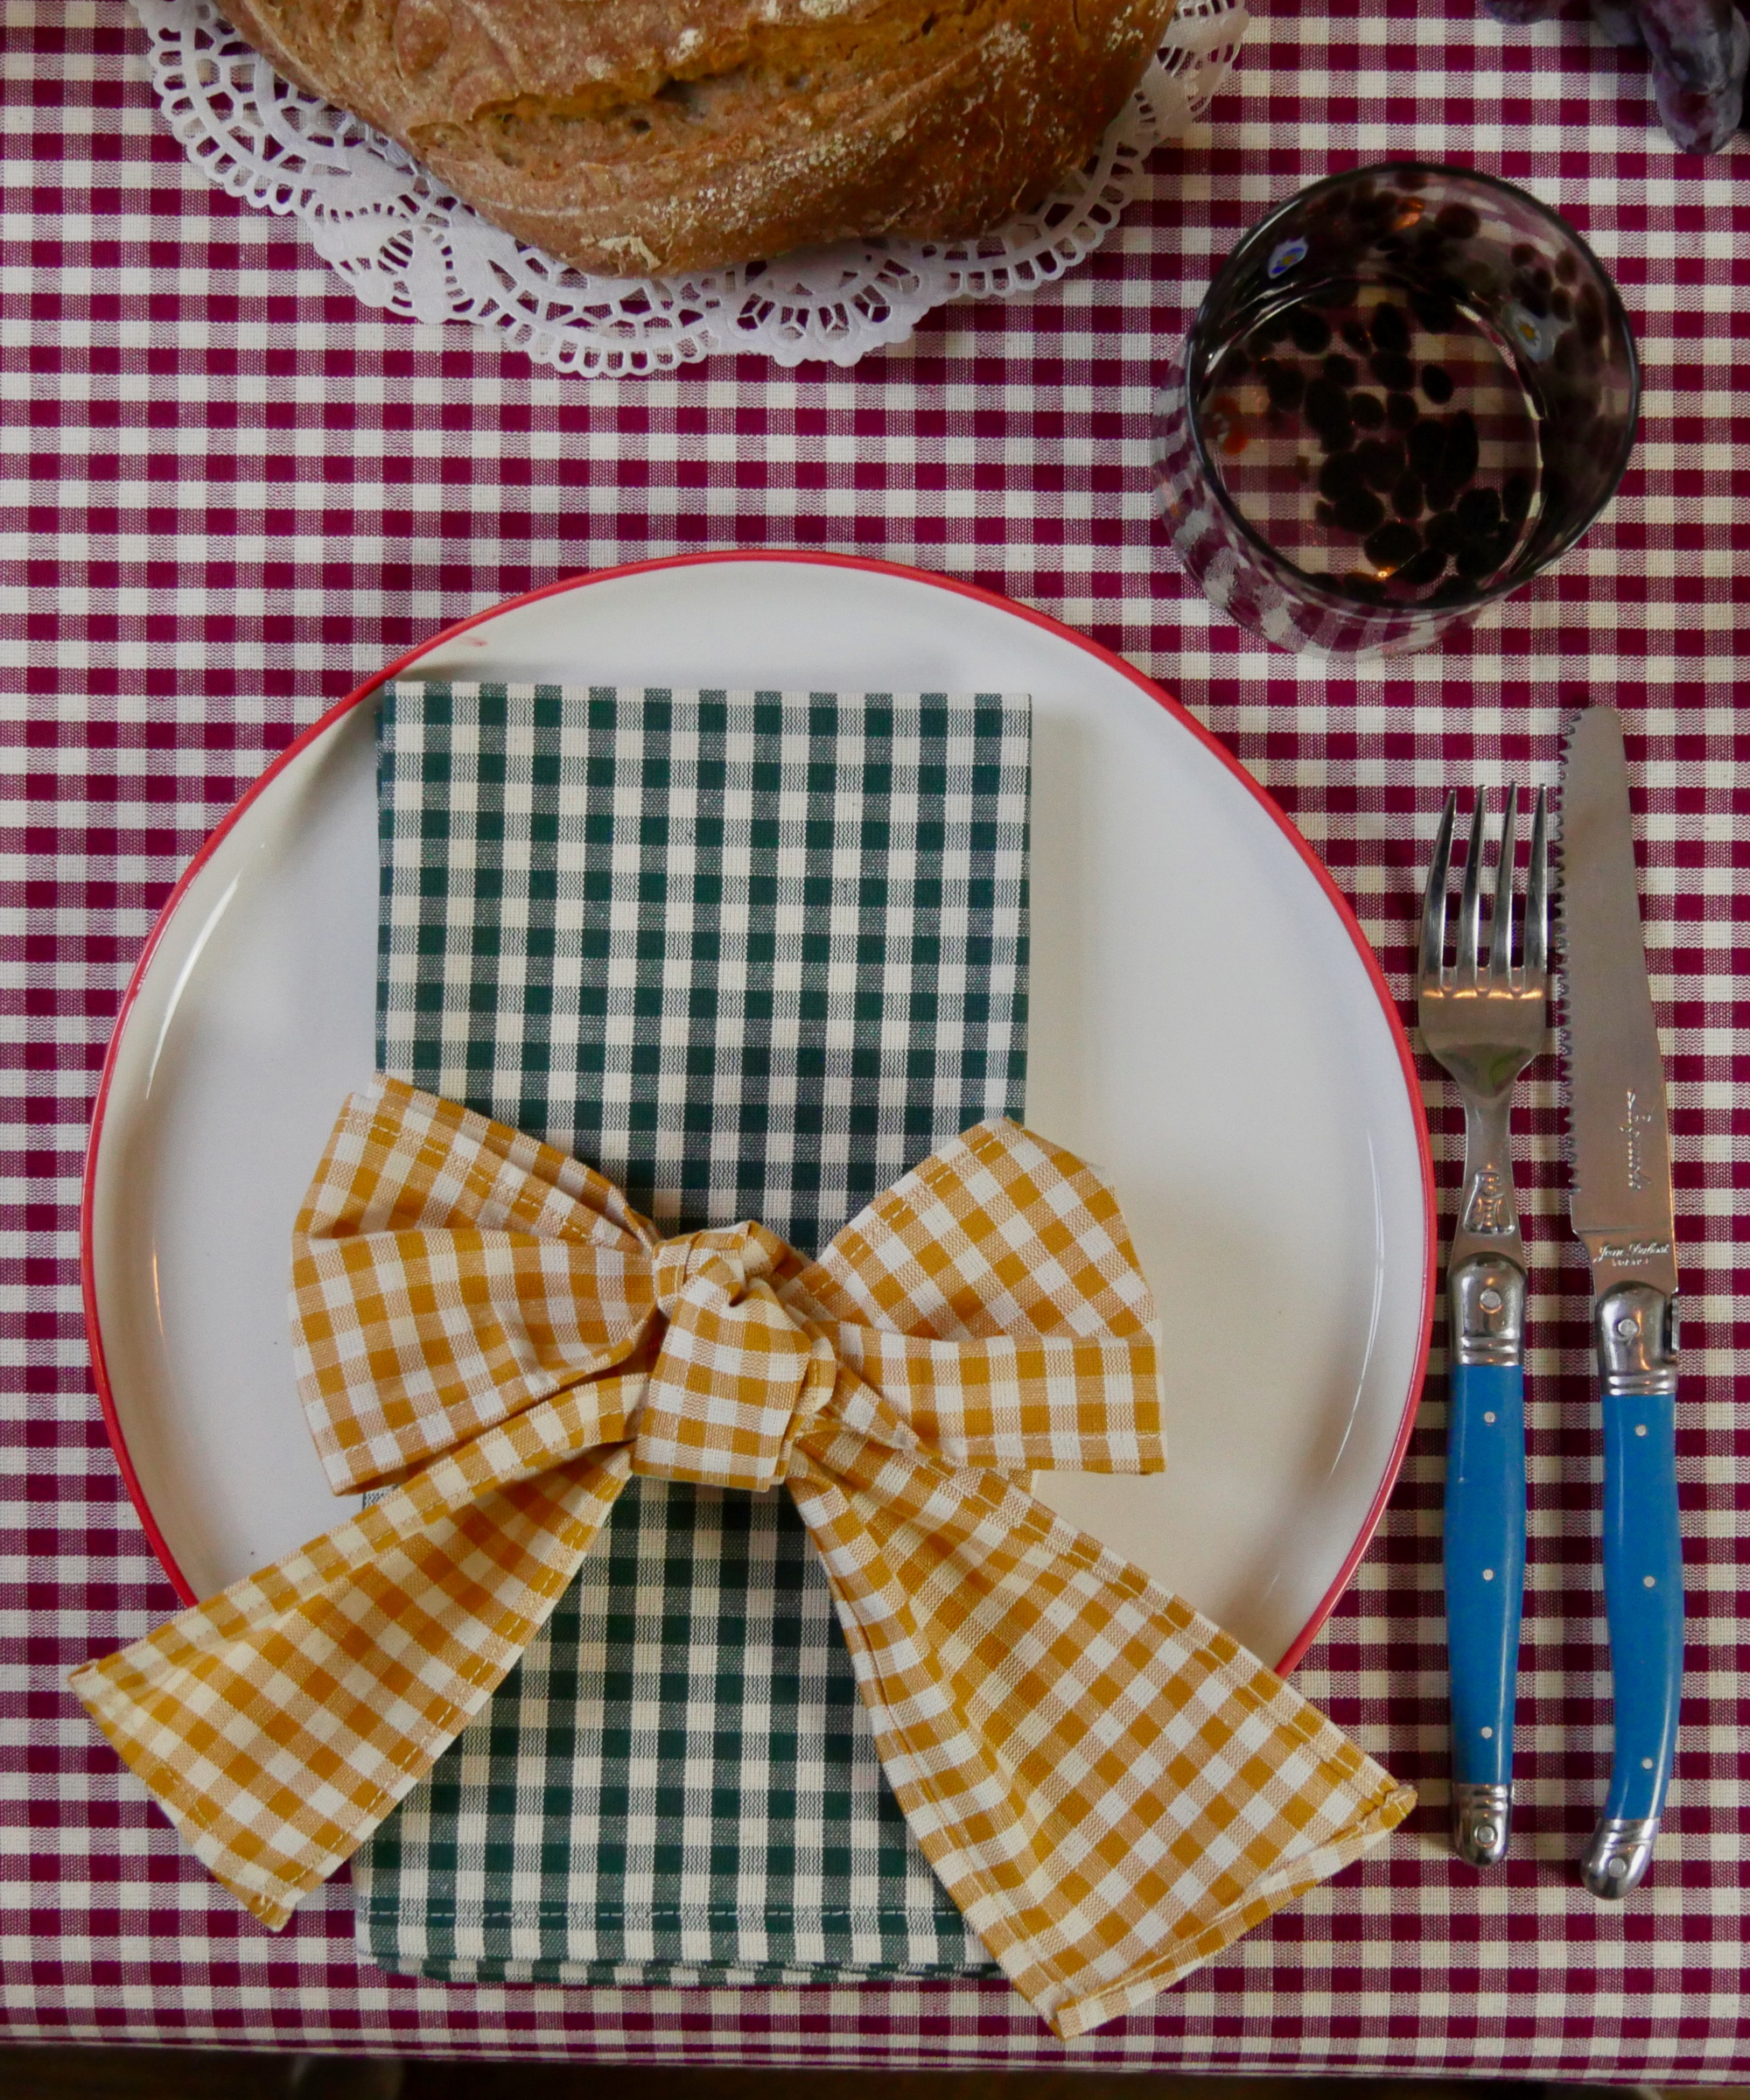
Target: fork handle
[[1485, 1558]]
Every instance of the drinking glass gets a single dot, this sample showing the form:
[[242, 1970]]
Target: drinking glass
[[1407, 391]]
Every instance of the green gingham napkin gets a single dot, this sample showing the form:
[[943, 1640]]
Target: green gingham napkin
[[754, 955]]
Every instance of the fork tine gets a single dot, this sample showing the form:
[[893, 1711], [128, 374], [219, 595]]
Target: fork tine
[[1470, 900], [1434, 897], [1501, 917], [1536, 937]]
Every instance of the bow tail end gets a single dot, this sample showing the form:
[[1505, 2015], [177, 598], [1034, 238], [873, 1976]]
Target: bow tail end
[[269, 1887], [1111, 1789], [1372, 1823], [278, 1723]]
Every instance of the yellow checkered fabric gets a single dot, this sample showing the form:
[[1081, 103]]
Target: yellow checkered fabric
[[1109, 1787]]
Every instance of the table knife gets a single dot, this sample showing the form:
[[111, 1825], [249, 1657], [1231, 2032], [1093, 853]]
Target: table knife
[[1620, 1205]]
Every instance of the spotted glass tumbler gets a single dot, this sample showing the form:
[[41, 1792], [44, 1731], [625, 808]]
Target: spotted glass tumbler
[[1407, 391]]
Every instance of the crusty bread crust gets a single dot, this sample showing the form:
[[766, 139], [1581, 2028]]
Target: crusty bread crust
[[637, 136]]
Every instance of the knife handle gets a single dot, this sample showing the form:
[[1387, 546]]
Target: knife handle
[[1485, 1558], [1644, 1579]]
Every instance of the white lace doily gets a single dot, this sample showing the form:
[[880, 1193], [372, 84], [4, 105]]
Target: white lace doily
[[404, 242]]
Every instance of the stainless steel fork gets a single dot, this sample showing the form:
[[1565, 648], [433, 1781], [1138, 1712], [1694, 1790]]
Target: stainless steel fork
[[1483, 1020]]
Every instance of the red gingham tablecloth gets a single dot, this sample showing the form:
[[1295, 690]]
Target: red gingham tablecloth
[[230, 491]]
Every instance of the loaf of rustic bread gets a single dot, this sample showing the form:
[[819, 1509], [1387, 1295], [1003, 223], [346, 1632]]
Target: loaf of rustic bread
[[638, 136]]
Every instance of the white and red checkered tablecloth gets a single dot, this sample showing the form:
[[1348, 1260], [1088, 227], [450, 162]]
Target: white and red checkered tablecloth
[[230, 491]]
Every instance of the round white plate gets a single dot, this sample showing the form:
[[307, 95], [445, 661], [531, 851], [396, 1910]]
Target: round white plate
[[1207, 1024]]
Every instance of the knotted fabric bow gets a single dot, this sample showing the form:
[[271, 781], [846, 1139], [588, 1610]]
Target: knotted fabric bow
[[1109, 1787]]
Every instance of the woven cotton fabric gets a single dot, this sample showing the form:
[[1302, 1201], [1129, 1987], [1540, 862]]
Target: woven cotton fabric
[[753, 955], [232, 492], [1111, 1789]]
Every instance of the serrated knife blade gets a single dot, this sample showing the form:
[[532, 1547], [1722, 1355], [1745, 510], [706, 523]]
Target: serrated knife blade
[[1621, 1207], [1621, 1202]]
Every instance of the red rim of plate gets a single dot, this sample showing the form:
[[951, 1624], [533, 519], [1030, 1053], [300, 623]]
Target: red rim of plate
[[112, 1422]]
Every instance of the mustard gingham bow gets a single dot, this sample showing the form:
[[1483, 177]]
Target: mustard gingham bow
[[1109, 1787]]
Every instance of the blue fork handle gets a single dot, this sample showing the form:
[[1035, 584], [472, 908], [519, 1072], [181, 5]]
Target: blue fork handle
[[1485, 1554]]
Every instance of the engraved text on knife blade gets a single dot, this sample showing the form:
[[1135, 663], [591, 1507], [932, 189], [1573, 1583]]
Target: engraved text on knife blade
[[1637, 1123], [1633, 1254]]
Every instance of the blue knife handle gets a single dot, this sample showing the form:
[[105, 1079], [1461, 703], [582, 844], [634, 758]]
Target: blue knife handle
[[1485, 1554], [1634, 1330], [1643, 1597]]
